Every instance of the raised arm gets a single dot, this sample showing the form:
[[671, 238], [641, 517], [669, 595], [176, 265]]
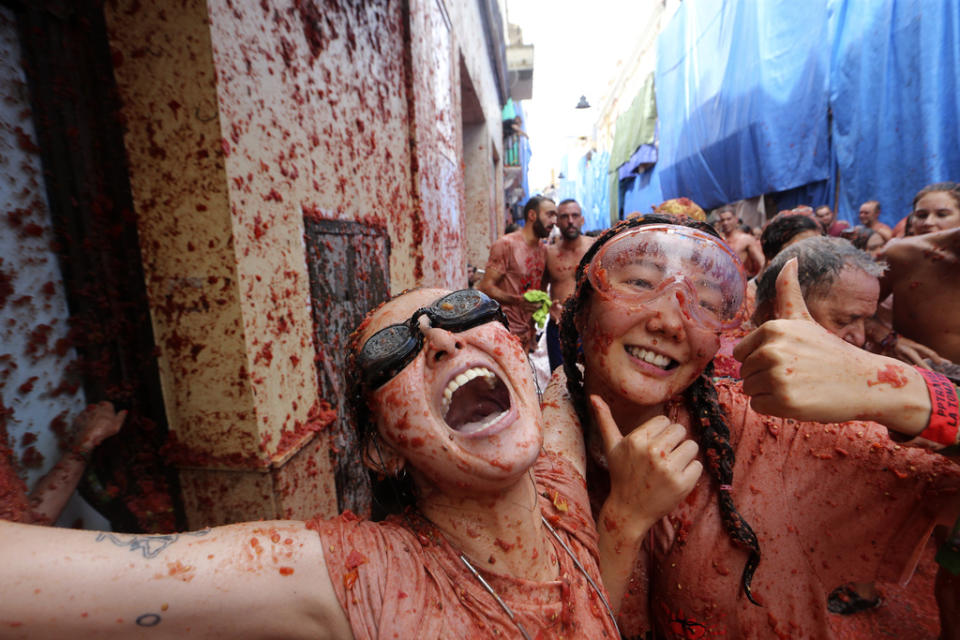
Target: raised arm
[[794, 368], [51, 493], [251, 580]]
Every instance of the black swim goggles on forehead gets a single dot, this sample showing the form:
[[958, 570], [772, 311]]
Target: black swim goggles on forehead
[[392, 348]]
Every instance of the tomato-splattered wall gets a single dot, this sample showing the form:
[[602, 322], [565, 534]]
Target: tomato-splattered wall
[[241, 118]]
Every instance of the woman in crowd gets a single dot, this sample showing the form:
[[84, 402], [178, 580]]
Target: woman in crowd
[[499, 541], [788, 511]]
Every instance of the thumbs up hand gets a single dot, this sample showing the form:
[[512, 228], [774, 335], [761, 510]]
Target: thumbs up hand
[[789, 303], [794, 368]]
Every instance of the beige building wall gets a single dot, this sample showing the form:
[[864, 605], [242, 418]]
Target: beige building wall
[[243, 117], [482, 135]]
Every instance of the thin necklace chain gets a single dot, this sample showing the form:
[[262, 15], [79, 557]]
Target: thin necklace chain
[[509, 611]]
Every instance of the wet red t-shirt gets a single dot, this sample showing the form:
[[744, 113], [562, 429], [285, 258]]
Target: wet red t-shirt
[[393, 582], [522, 268], [830, 504]]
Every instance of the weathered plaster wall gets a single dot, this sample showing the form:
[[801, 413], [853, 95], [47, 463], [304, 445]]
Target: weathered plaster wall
[[436, 133], [480, 194], [482, 139], [241, 118]]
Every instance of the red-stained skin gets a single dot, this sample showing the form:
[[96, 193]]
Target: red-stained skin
[[661, 326], [892, 375], [412, 399]]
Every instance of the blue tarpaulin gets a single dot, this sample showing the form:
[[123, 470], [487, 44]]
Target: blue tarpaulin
[[742, 99], [805, 100], [641, 160], [588, 186], [894, 96]]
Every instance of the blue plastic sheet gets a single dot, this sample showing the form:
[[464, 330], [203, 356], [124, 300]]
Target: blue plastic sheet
[[642, 193], [742, 90], [643, 158], [805, 100], [894, 97], [589, 188]]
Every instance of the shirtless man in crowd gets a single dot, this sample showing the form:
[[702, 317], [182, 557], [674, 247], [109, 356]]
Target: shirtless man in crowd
[[746, 246], [870, 218], [562, 260], [923, 272]]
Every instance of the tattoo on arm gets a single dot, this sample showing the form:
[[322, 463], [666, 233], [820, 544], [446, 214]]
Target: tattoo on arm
[[148, 620], [149, 546]]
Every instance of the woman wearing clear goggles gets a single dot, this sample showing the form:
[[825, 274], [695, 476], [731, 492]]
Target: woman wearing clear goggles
[[787, 510]]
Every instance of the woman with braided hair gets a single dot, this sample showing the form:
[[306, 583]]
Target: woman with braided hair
[[787, 510]]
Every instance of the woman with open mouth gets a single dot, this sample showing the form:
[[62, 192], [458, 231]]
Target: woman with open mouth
[[496, 541], [788, 509]]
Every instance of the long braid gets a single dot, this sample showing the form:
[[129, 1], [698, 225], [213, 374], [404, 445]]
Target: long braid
[[714, 437], [713, 434], [570, 347]]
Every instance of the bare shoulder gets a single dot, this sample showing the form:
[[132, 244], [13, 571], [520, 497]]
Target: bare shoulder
[[562, 432]]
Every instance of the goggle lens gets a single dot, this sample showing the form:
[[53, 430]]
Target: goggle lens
[[389, 350], [645, 262]]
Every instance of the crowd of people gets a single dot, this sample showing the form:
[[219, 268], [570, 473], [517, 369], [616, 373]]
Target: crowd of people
[[743, 437]]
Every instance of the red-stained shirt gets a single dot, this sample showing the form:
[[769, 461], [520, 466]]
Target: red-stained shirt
[[522, 267], [830, 504], [396, 583]]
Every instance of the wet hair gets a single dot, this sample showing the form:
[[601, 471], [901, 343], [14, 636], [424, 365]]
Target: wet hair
[[710, 422], [909, 227], [533, 204], [819, 263], [782, 229], [953, 188], [391, 493]]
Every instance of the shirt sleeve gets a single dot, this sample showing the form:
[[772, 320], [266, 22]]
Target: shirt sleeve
[[868, 504], [378, 574], [862, 505]]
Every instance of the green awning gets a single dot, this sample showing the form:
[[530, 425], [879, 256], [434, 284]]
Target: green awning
[[635, 126]]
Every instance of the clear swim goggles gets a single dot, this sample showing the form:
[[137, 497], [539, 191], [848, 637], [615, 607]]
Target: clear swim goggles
[[646, 262]]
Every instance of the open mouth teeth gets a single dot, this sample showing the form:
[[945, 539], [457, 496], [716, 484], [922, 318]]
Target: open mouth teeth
[[650, 357], [474, 400]]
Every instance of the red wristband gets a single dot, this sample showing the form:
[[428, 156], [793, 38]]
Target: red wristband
[[944, 408]]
